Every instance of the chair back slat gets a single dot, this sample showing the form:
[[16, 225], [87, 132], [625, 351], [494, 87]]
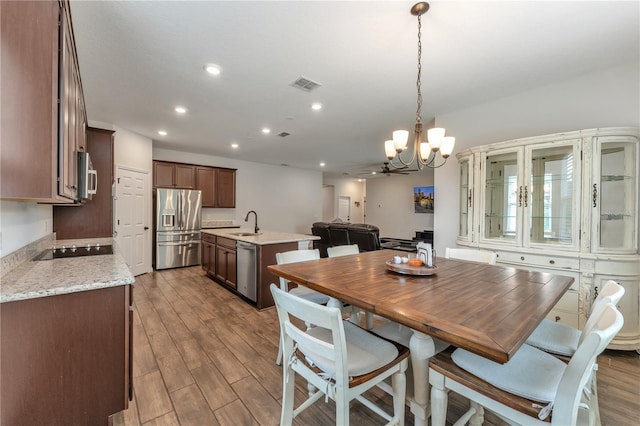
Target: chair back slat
[[343, 250]]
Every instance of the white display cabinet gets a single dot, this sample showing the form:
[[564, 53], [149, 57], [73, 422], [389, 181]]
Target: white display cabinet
[[565, 203]]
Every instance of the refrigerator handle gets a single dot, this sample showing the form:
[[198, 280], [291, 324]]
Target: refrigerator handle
[[179, 209]]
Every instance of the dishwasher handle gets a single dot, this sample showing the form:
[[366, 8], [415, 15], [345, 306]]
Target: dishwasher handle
[[245, 246]]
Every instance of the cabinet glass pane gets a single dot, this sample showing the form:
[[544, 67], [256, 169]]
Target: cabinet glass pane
[[550, 196], [501, 197], [617, 195], [464, 199]]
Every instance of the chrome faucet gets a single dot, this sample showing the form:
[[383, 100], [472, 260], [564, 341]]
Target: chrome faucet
[[246, 219]]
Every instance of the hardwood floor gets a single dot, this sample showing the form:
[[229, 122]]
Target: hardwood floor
[[202, 356]]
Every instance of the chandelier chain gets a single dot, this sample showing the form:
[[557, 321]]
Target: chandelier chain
[[419, 81]]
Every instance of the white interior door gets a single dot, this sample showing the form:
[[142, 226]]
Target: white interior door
[[344, 208], [133, 232]]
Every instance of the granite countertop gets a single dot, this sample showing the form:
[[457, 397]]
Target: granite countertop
[[263, 238], [33, 279]]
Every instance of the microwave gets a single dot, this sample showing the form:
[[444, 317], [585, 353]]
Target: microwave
[[87, 177]]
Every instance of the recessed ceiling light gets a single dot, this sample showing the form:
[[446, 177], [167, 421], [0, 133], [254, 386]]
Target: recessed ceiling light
[[317, 106], [234, 145], [373, 173], [359, 180], [266, 130], [162, 132], [213, 69], [322, 164], [180, 109]]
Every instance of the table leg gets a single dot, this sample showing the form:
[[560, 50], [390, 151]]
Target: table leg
[[422, 349]]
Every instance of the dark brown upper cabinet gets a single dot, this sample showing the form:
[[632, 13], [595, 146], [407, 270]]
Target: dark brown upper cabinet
[[218, 185], [42, 103]]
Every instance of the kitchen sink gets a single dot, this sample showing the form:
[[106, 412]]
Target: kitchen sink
[[244, 234]]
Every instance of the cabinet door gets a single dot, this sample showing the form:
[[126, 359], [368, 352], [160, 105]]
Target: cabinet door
[[221, 263], [614, 195], [67, 160], [629, 336], [29, 101], [185, 176], [502, 202], [231, 269], [551, 195], [226, 188], [206, 248], [206, 183], [465, 230], [163, 175]]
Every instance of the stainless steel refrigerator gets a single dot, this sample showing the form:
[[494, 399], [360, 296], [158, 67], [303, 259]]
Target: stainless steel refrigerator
[[177, 222]]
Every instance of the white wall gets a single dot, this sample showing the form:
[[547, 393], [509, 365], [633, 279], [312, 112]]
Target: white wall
[[348, 187], [607, 98], [390, 204], [286, 199], [23, 223]]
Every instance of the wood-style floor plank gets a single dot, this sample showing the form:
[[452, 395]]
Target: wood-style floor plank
[[204, 356]]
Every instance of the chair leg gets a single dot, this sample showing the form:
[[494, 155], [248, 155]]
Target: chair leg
[[478, 417], [342, 408], [288, 393], [399, 386], [369, 320], [439, 399]]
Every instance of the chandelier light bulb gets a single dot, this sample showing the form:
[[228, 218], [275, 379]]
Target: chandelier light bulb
[[390, 149], [425, 151], [447, 146], [400, 138]]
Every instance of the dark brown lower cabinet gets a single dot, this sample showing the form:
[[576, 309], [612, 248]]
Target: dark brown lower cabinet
[[66, 359]]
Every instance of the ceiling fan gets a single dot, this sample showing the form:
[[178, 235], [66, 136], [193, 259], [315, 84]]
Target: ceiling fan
[[399, 171]]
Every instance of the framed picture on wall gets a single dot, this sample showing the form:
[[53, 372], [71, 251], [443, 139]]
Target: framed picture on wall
[[423, 199]]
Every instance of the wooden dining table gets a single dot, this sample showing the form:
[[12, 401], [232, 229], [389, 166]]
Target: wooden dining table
[[487, 309]]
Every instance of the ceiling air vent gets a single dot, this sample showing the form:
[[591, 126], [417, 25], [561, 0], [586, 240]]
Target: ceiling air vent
[[306, 84], [283, 134]]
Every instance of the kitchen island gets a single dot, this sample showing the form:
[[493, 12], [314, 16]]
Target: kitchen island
[[66, 334], [238, 259]]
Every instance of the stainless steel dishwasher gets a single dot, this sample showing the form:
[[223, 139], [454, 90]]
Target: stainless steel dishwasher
[[247, 275]]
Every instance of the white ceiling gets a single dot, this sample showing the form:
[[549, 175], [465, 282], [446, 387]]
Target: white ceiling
[[139, 59]]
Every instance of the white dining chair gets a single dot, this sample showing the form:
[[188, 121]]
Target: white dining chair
[[528, 388], [347, 250], [561, 339], [343, 250], [337, 358], [305, 293], [471, 255]]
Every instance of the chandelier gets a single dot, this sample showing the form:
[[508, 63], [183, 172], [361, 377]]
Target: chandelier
[[424, 152]]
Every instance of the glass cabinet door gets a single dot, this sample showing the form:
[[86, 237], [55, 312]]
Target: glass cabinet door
[[614, 197], [551, 194], [502, 201], [465, 228]]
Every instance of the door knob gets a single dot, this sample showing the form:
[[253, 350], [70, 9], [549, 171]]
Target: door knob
[[146, 227]]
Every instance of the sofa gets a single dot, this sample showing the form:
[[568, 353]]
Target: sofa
[[367, 237]]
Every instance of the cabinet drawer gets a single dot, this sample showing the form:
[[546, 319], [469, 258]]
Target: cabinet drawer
[[538, 260], [227, 242], [208, 238], [564, 318]]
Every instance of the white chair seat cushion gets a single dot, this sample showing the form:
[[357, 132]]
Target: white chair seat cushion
[[554, 337], [402, 334], [531, 373], [310, 295], [365, 352]]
